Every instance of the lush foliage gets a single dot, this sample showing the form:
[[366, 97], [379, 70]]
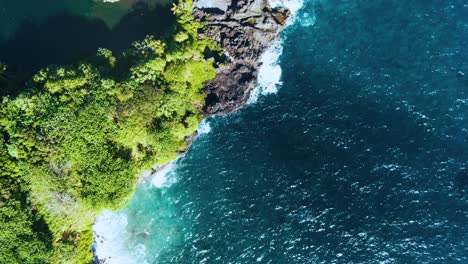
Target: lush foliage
[[24, 237], [76, 142]]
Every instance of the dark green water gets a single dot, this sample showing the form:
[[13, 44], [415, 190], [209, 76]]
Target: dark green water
[[361, 157], [13, 13], [34, 34]]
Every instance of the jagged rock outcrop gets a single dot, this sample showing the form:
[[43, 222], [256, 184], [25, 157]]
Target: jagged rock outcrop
[[244, 29]]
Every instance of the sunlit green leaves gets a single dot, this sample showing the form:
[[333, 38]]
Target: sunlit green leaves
[[81, 136]]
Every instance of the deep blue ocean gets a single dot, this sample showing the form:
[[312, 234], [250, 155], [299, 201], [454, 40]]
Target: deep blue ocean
[[361, 157]]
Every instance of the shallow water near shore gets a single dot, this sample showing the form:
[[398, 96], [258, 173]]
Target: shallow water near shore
[[360, 157]]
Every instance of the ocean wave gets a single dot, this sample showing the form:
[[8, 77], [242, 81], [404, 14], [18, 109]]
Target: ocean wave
[[293, 5], [269, 74], [204, 127], [109, 229], [164, 177]]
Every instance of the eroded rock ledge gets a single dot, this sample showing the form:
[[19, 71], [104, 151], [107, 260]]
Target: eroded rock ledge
[[244, 29]]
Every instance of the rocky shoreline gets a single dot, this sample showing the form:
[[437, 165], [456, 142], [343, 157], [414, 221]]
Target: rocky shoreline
[[244, 29]]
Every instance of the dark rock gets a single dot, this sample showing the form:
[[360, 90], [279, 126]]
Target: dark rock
[[244, 30], [281, 15]]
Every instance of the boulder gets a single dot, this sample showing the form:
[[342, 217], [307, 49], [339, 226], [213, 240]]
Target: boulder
[[244, 29]]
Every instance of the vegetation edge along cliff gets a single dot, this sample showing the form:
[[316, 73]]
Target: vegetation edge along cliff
[[75, 142]]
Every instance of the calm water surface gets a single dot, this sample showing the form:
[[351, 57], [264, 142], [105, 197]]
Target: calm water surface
[[34, 34]]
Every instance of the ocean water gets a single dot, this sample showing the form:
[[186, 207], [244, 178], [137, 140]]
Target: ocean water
[[35, 34], [15, 13], [361, 155]]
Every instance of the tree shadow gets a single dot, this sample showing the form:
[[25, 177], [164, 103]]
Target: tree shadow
[[66, 38]]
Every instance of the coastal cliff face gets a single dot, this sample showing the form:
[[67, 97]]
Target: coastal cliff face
[[244, 29]]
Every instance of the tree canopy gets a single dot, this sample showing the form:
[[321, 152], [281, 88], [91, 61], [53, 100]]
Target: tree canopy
[[77, 140]]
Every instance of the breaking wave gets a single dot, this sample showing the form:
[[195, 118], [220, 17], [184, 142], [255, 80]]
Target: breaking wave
[[204, 127], [109, 230], [269, 74]]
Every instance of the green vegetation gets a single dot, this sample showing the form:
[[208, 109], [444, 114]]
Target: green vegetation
[[3, 68], [77, 140]]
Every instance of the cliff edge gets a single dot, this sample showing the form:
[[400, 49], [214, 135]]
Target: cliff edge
[[244, 29]]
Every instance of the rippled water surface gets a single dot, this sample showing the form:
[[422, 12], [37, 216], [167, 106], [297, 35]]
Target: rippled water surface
[[361, 157]]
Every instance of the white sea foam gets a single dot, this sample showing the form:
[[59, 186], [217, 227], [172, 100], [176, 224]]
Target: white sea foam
[[111, 232], [164, 176], [109, 229], [307, 19], [269, 74], [204, 127], [293, 5]]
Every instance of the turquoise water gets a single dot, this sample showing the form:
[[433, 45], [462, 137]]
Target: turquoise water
[[361, 157]]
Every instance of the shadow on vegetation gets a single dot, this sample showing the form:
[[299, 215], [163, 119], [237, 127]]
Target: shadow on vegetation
[[65, 38]]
